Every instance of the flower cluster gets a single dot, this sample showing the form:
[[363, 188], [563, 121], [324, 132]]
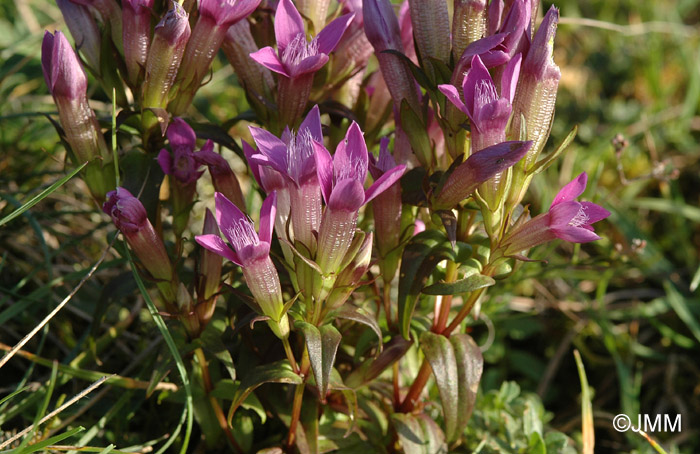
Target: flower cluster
[[450, 121]]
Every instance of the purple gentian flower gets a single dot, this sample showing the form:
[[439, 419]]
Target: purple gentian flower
[[488, 112], [297, 58], [251, 251], [292, 159], [183, 169], [566, 219], [181, 164], [342, 180]]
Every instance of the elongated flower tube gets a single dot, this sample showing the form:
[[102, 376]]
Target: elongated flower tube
[[129, 216], [566, 219], [292, 157], [342, 180], [477, 169], [183, 170], [111, 15], [431, 28], [84, 30], [468, 24], [386, 208], [297, 59], [169, 39], [382, 30], [136, 36], [67, 83], [237, 46], [222, 176], [251, 251], [215, 18]]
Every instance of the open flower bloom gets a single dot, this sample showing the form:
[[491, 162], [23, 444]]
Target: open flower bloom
[[342, 180], [251, 251], [291, 157], [297, 58], [488, 111], [181, 164], [566, 219], [183, 170]]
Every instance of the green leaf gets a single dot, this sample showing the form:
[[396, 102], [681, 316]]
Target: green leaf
[[419, 259], [680, 307], [440, 354], [547, 161], [41, 196], [470, 366], [373, 367], [359, 315], [419, 434], [277, 372], [322, 345], [468, 284], [213, 343], [587, 430]]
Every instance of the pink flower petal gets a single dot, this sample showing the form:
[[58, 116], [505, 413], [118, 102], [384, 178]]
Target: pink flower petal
[[594, 212], [165, 161], [477, 75], [575, 234], [270, 146], [384, 182], [509, 80], [180, 134], [329, 37], [249, 151], [215, 244], [312, 122], [268, 58], [227, 216], [572, 190], [268, 212], [324, 170], [288, 24], [308, 65], [348, 195], [450, 91]]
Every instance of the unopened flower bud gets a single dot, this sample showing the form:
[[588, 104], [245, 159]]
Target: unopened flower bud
[[137, 36], [382, 30], [111, 15], [215, 18], [67, 83], [316, 10], [431, 28], [169, 39], [478, 168], [468, 24], [238, 45], [129, 216], [84, 30], [537, 90], [349, 278]]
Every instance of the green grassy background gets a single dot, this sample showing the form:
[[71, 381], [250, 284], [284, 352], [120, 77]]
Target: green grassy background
[[629, 303]]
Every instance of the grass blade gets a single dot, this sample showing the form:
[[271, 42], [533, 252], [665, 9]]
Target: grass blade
[[39, 197]]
